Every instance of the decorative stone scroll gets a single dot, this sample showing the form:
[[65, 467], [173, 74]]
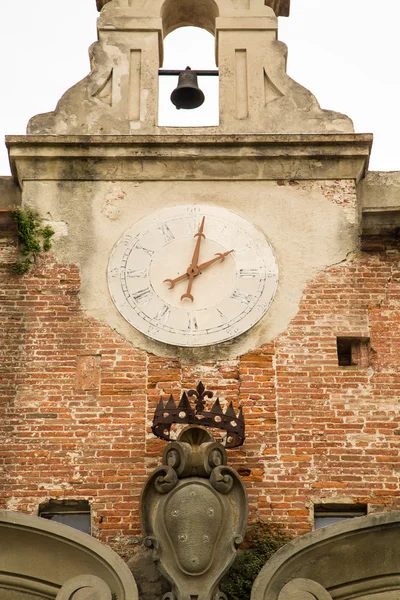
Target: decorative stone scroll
[[303, 589], [194, 514], [85, 587]]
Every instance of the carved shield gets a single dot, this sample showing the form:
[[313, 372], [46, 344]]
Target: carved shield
[[193, 522]]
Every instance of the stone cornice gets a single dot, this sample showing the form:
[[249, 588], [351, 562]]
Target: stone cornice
[[195, 157]]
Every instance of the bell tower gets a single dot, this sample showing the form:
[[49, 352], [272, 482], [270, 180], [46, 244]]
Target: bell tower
[[120, 96]]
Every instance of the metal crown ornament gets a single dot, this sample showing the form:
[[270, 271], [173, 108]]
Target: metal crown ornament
[[170, 414]]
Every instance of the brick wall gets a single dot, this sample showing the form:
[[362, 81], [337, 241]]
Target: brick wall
[[76, 400]]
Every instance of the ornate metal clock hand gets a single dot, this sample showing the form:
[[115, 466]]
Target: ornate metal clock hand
[[172, 282], [219, 256], [193, 268]]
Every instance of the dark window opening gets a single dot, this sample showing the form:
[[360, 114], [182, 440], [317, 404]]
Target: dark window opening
[[75, 513], [353, 352], [327, 514]]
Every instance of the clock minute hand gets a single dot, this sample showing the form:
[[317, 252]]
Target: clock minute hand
[[196, 252], [172, 282], [193, 269]]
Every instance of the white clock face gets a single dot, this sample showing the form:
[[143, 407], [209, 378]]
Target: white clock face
[[220, 282]]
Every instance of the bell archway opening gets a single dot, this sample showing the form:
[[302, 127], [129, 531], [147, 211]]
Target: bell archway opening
[[189, 13], [193, 47]]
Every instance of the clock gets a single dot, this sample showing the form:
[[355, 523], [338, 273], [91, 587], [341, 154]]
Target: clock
[[193, 275]]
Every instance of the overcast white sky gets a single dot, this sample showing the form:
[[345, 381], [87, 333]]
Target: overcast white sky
[[345, 51]]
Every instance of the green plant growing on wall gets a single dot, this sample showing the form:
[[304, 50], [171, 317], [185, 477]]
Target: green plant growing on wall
[[32, 236], [262, 541]]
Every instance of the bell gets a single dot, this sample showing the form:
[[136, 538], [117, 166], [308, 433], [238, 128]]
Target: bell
[[187, 94]]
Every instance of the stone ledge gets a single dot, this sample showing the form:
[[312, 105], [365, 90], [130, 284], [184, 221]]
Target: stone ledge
[[197, 157]]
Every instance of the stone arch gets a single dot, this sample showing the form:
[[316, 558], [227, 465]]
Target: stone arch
[[356, 558], [51, 560], [184, 13]]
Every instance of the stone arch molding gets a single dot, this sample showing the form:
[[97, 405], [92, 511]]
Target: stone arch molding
[[184, 13], [357, 558], [53, 561], [280, 7], [120, 95]]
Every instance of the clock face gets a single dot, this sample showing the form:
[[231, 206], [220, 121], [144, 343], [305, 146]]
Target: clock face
[[192, 275]]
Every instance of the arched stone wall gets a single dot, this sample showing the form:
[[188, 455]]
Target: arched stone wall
[[42, 559], [356, 558]]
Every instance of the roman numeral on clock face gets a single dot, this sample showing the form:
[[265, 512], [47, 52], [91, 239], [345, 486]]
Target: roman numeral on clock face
[[147, 250], [248, 272], [138, 273], [242, 297], [163, 314], [167, 233], [222, 316], [192, 322], [142, 296]]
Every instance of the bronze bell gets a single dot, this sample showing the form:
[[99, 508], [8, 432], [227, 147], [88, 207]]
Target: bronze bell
[[187, 94]]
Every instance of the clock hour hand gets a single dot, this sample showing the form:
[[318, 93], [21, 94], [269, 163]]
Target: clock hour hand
[[219, 256]]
